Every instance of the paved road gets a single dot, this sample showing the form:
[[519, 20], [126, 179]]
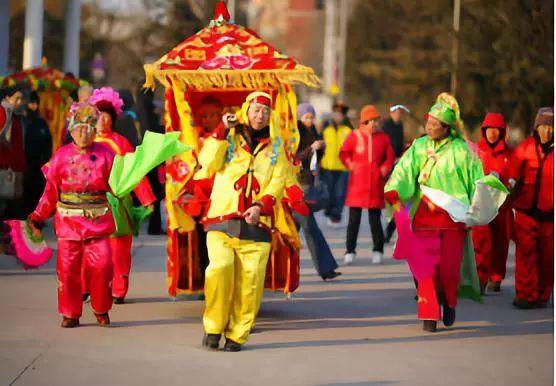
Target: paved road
[[357, 330]]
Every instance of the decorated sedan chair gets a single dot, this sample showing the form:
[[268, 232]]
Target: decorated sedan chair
[[204, 76]]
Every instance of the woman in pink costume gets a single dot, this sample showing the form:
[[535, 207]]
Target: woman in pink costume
[[75, 193], [109, 103]]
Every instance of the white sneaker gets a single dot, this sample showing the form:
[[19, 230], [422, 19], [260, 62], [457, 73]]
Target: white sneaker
[[377, 257], [348, 258]]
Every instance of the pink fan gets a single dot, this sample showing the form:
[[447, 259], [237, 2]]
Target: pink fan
[[420, 252], [30, 249]]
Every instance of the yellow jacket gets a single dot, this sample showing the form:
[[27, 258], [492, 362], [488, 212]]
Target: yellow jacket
[[242, 178], [334, 139]]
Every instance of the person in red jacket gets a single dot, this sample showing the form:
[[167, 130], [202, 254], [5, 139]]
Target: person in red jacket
[[368, 155], [12, 152], [491, 241], [532, 178], [12, 160]]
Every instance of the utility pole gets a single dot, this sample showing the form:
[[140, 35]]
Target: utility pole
[[455, 48], [342, 44], [329, 56]]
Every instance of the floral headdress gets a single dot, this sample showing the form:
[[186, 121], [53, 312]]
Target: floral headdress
[[83, 113]]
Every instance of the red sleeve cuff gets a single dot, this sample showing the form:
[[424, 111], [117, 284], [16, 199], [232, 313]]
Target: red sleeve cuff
[[295, 200], [294, 193], [392, 197], [267, 204]]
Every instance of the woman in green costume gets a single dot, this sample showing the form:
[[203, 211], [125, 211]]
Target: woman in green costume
[[437, 176]]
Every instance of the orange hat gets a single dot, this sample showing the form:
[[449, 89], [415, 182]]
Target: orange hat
[[368, 113]]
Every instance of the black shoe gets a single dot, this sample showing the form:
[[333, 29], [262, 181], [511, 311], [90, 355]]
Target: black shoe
[[483, 290], [119, 300], [331, 275], [494, 286], [523, 304], [85, 297], [211, 341], [429, 325], [232, 346], [448, 315]]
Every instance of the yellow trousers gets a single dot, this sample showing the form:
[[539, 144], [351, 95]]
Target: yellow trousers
[[234, 285]]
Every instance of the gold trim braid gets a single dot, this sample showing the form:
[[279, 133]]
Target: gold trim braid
[[83, 198]]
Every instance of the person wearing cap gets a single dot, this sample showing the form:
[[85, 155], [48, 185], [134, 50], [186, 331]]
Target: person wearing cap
[[310, 142], [333, 172], [393, 127], [532, 178], [247, 159], [491, 241], [440, 162], [368, 155]]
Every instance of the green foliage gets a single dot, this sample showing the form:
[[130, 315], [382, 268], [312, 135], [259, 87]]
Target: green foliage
[[399, 51]]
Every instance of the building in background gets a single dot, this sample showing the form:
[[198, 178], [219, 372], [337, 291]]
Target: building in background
[[313, 31]]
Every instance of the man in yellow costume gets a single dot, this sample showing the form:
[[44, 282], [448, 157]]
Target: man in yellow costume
[[249, 167]]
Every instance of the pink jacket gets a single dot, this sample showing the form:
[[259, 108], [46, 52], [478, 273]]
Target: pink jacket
[[369, 159], [120, 146], [72, 171]]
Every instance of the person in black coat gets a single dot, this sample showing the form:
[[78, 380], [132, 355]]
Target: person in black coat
[[310, 142], [393, 127], [127, 123], [38, 149]]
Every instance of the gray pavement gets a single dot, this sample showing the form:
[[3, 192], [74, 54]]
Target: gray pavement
[[359, 329]]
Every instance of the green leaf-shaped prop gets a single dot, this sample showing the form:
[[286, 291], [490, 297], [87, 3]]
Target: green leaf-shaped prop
[[129, 169]]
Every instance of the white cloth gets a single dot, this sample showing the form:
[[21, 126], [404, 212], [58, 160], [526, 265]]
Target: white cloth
[[483, 209]]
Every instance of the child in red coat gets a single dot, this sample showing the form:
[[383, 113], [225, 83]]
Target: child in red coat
[[368, 155]]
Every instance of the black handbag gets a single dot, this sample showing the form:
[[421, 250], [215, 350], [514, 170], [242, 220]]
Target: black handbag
[[316, 195]]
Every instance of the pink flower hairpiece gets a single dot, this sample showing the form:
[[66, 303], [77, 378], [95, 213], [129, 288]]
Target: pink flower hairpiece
[[107, 94]]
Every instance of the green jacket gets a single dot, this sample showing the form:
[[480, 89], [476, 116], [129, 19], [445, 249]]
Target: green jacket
[[448, 166]]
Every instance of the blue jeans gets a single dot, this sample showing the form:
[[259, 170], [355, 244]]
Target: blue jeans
[[321, 255], [336, 181]]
